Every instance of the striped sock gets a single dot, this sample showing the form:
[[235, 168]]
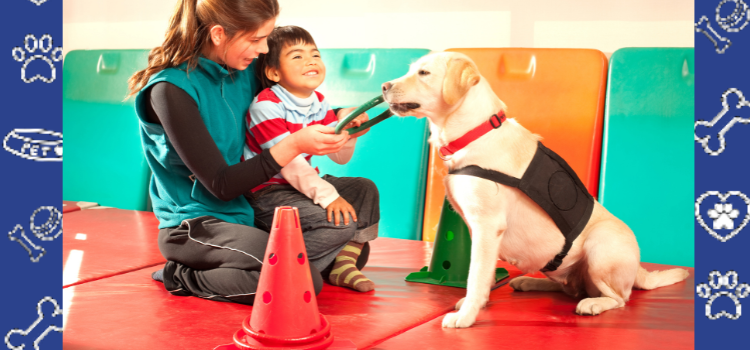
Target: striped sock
[[345, 272]]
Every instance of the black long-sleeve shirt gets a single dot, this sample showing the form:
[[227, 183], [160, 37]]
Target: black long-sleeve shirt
[[178, 114]]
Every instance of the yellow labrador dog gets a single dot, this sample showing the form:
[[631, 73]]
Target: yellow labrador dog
[[582, 249]]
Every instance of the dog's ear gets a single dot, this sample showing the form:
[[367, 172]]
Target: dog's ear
[[460, 76]]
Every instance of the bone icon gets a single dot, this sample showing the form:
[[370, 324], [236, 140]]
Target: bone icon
[[723, 128], [736, 17], [45, 323], [720, 43], [18, 235]]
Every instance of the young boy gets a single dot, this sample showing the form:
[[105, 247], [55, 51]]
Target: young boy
[[289, 74]]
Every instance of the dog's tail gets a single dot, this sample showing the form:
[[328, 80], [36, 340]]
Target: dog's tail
[[655, 279]]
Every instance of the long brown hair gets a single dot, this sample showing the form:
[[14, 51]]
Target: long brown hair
[[188, 32]]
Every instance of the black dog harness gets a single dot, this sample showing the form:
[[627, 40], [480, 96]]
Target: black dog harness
[[553, 185]]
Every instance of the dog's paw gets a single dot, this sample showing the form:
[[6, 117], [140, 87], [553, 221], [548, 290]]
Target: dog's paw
[[31, 44], [459, 319], [595, 306], [522, 284], [459, 303]]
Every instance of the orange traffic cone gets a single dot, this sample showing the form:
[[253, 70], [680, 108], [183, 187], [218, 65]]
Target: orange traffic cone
[[285, 312]]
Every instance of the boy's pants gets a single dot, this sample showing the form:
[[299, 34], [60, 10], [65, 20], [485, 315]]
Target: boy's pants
[[323, 239]]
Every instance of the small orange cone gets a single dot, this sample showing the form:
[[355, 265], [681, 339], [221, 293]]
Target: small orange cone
[[285, 312]]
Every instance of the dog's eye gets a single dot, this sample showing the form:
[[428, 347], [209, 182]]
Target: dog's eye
[[423, 72]]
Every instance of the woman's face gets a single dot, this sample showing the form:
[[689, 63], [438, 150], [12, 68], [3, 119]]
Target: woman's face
[[239, 52]]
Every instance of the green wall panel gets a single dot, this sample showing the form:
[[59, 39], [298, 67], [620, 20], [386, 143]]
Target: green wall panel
[[647, 152], [104, 161], [394, 153]]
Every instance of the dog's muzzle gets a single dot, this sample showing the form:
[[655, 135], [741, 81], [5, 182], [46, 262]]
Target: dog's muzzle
[[401, 108]]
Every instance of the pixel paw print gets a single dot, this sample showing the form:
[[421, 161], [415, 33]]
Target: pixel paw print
[[31, 44], [38, 2], [723, 216], [726, 122], [716, 281]]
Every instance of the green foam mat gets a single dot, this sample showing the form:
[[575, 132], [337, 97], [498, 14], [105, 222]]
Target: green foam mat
[[647, 151]]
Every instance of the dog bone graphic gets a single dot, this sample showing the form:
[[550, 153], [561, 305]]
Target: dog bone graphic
[[723, 198], [38, 329], [37, 253], [742, 291], [722, 132], [704, 26], [38, 2]]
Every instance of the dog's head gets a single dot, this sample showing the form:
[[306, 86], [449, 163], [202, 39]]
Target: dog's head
[[434, 86]]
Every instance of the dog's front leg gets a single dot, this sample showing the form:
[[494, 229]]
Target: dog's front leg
[[484, 253]]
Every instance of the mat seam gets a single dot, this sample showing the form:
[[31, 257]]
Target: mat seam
[[87, 280]]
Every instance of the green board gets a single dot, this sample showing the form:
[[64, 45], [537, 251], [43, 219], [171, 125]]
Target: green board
[[394, 154], [647, 151], [104, 160]]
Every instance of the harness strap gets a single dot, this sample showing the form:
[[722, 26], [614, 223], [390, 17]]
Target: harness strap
[[487, 174], [525, 185]]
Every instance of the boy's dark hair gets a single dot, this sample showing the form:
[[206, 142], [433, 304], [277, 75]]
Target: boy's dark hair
[[279, 38]]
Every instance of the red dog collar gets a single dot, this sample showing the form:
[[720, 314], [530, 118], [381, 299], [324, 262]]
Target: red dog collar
[[495, 121]]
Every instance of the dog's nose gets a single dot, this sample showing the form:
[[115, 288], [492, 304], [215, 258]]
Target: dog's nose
[[386, 86]]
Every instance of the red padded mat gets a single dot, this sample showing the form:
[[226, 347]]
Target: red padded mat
[[656, 319], [116, 241], [69, 206], [130, 311]]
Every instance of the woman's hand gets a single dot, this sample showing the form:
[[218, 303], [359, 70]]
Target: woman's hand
[[359, 120], [340, 205], [314, 139], [319, 140]]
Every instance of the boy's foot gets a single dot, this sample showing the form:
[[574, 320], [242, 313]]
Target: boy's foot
[[345, 272], [158, 275]]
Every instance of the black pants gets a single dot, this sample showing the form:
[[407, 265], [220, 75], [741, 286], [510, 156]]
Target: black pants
[[217, 260]]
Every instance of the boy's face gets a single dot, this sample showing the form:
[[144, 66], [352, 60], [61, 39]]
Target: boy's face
[[301, 70]]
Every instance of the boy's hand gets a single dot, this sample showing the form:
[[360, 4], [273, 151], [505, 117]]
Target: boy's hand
[[359, 120], [340, 205]]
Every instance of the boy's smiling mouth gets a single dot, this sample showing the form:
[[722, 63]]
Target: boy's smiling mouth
[[311, 73]]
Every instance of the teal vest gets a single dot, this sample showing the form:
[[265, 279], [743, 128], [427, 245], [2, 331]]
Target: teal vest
[[223, 99]]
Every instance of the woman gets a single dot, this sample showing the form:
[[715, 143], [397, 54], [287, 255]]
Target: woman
[[191, 103]]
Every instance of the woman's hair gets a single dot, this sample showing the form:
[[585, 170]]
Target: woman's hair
[[279, 38], [188, 32]]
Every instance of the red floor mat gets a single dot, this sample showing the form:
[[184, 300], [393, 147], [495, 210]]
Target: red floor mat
[[656, 319], [131, 311], [68, 206], [107, 242]]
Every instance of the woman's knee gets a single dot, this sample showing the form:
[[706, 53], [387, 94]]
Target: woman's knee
[[369, 187], [317, 279], [363, 256]]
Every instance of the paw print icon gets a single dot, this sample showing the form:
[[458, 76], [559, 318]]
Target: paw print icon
[[723, 216], [44, 45], [716, 281]]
